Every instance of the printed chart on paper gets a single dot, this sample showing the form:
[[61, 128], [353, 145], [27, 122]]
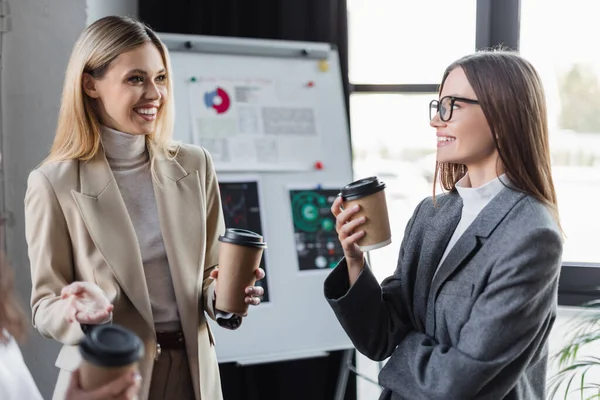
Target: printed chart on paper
[[255, 124], [317, 244]]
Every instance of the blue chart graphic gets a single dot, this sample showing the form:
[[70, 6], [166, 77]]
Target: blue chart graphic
[[317, 244], [218, 100], [241, 210]]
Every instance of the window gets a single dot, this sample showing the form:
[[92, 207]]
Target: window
[[407, 41], [561, 46], [392, 139]]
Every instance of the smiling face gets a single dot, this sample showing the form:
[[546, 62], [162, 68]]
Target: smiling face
[[131, 92], [466, 137]]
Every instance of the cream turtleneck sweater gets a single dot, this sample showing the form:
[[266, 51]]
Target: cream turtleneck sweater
[[130, 163], [474, 200]]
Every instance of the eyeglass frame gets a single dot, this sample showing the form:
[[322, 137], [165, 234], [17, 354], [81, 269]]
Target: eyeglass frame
[[453, 99]]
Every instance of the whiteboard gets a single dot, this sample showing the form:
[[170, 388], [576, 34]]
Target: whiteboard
[[296, 322]]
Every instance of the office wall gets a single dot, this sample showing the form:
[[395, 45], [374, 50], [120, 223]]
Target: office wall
[[101, 8]]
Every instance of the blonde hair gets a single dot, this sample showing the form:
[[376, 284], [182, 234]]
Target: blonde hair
[[78, 131]]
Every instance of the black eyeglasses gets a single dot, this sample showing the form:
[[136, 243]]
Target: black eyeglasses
[[445, 105]]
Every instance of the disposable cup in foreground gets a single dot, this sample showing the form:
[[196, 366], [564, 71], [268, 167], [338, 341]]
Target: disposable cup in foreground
[[240, 252], [108, 352], [369, 194]]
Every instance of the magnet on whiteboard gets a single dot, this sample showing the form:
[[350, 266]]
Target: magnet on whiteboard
[[193, 79], [324, 65], [319, 165], [310, 84]]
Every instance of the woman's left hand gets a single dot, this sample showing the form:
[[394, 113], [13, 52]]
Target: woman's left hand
[[253, 293]]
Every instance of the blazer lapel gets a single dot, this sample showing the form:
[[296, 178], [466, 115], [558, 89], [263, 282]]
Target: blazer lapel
[[469, 243], [106, 218], [178, 199], [437, 236]]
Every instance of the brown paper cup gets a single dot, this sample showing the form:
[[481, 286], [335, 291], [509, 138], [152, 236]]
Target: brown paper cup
[[94, 376], [108, 352], [240, 252], [369, 194]]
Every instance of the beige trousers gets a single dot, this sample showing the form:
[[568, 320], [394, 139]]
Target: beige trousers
[[171, 379]]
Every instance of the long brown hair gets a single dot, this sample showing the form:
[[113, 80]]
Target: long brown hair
[[512, 98], [78, 130], [12, 318]]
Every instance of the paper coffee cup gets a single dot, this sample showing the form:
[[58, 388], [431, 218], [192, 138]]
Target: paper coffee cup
[[369, 194], [240, 252], [108, 352]]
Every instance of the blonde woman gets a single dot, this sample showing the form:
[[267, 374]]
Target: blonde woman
[[122, 224]]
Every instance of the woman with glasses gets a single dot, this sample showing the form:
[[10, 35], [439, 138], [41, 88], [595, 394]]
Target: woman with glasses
[[468, 311]]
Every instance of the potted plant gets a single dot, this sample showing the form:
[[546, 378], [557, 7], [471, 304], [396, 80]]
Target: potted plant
[[578, 360]]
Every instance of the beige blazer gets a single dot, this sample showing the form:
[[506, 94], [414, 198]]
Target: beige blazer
[[78, 229]]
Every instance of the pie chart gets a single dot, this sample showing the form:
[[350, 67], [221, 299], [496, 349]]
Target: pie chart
[[218, 100]]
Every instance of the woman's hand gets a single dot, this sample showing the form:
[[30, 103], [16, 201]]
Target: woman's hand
[[86, 303], [253, 293], [348, 231], [126, 387]]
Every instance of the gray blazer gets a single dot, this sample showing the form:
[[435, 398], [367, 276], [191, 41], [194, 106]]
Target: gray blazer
[[479, 329]]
